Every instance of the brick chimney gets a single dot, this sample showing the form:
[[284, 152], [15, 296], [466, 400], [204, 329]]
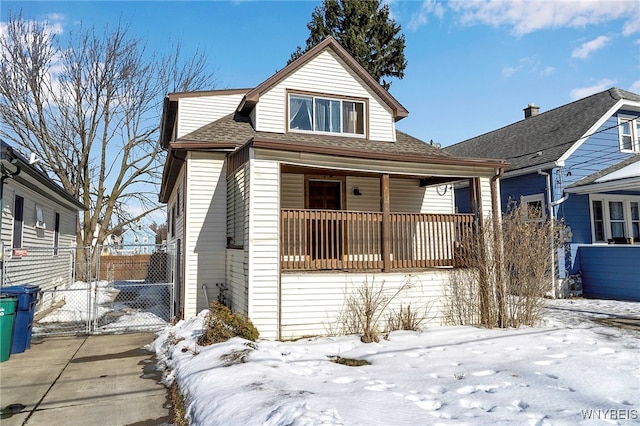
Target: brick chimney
[[531, 111]]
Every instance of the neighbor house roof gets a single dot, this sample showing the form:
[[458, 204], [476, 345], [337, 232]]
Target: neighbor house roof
[[546, 137], [23, 172], [622, 175]]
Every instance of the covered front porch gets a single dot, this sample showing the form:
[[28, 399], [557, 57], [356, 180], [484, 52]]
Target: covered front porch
[[354, 221]]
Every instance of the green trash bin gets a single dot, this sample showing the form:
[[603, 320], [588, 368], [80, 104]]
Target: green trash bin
[[8, 305]]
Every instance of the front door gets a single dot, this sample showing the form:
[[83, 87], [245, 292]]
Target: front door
[[325, 228], [325, 195]]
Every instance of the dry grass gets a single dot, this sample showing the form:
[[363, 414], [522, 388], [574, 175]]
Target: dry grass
[[365, 308], [178, 410], [351, 362]]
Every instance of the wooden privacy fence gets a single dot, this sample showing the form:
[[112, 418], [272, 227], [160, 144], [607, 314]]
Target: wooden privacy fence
[[130, 267], [338, 239]]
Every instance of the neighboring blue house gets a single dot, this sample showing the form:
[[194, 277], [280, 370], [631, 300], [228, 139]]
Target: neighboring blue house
[[138, 238], [579, 162]]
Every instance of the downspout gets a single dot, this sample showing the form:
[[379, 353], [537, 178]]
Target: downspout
[[551, 218]]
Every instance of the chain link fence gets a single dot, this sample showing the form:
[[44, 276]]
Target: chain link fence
[[96, 290]]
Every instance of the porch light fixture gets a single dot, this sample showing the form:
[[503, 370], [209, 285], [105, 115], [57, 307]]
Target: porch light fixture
[[356, 191]]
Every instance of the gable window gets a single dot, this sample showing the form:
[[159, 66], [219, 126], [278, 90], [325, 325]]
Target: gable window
[[326, 115], [629, 133], [615, 218], [535, 207]]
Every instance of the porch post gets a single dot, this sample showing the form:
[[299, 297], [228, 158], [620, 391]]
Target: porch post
[[386, 225], [478, 192]]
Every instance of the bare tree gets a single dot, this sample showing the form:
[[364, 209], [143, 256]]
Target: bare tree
[[90, 110]]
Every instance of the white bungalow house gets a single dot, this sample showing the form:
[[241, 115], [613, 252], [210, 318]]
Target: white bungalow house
[[294, 192], [38, 226]]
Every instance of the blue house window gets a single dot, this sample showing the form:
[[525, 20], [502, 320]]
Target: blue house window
[[629, 133], [615, 219]]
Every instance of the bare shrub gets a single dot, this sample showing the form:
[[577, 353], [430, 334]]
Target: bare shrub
[[364, 309], [221, 325], [507, 270], [408, 318]]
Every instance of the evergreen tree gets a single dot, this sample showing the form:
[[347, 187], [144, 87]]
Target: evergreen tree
[[365, 30]]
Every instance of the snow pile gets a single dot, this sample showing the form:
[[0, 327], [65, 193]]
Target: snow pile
[[569, 371]]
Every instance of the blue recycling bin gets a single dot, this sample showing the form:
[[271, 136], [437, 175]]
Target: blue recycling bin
[[27, 298]]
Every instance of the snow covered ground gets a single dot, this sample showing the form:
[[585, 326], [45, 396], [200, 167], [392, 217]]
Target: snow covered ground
[[571, 370], [113, 306]]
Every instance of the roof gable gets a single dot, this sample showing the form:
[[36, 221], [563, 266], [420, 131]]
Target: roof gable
[[253, 96], [547, 137]]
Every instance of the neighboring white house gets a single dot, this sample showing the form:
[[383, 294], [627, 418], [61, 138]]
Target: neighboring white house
[[293, 193], [39, 220]]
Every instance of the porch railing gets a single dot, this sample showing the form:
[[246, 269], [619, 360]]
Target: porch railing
[[335, 239]]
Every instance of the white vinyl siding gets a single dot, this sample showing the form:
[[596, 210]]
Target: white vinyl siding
[[485, 193], [292, 191], [311, 302], [237, 203], [263, 244], [369, 200], [39, 242], [325, 74], [205, 228], [406, 195], [33, 236], [237, 268], [195, 112]]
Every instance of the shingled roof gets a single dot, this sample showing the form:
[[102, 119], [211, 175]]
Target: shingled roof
[[593, 178], [235, 129], [542, 138]]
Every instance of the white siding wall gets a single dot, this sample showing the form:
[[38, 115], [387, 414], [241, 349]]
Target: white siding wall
[[327, 74], [205, 228], [263, 242], [311, 302], [40, 266], [406, 195], [369, 187], [32, 236], [195, 112], [292, 191], [485, 190], [237, 280]]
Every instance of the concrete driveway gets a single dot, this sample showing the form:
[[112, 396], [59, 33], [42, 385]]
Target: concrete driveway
[[88, 380]]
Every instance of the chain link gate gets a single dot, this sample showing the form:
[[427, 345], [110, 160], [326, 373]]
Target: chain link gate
[[96, 290]]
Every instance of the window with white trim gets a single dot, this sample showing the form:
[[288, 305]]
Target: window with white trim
[[535, 207], [629, 130], [615, 218], [40, 217], [326, 115]]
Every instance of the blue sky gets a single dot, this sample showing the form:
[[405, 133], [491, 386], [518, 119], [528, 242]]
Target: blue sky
[[472, 66]]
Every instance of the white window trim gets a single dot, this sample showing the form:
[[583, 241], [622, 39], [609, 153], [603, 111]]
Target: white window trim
[[330, 98], [605, 199], [635, 137], [525, 199]]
